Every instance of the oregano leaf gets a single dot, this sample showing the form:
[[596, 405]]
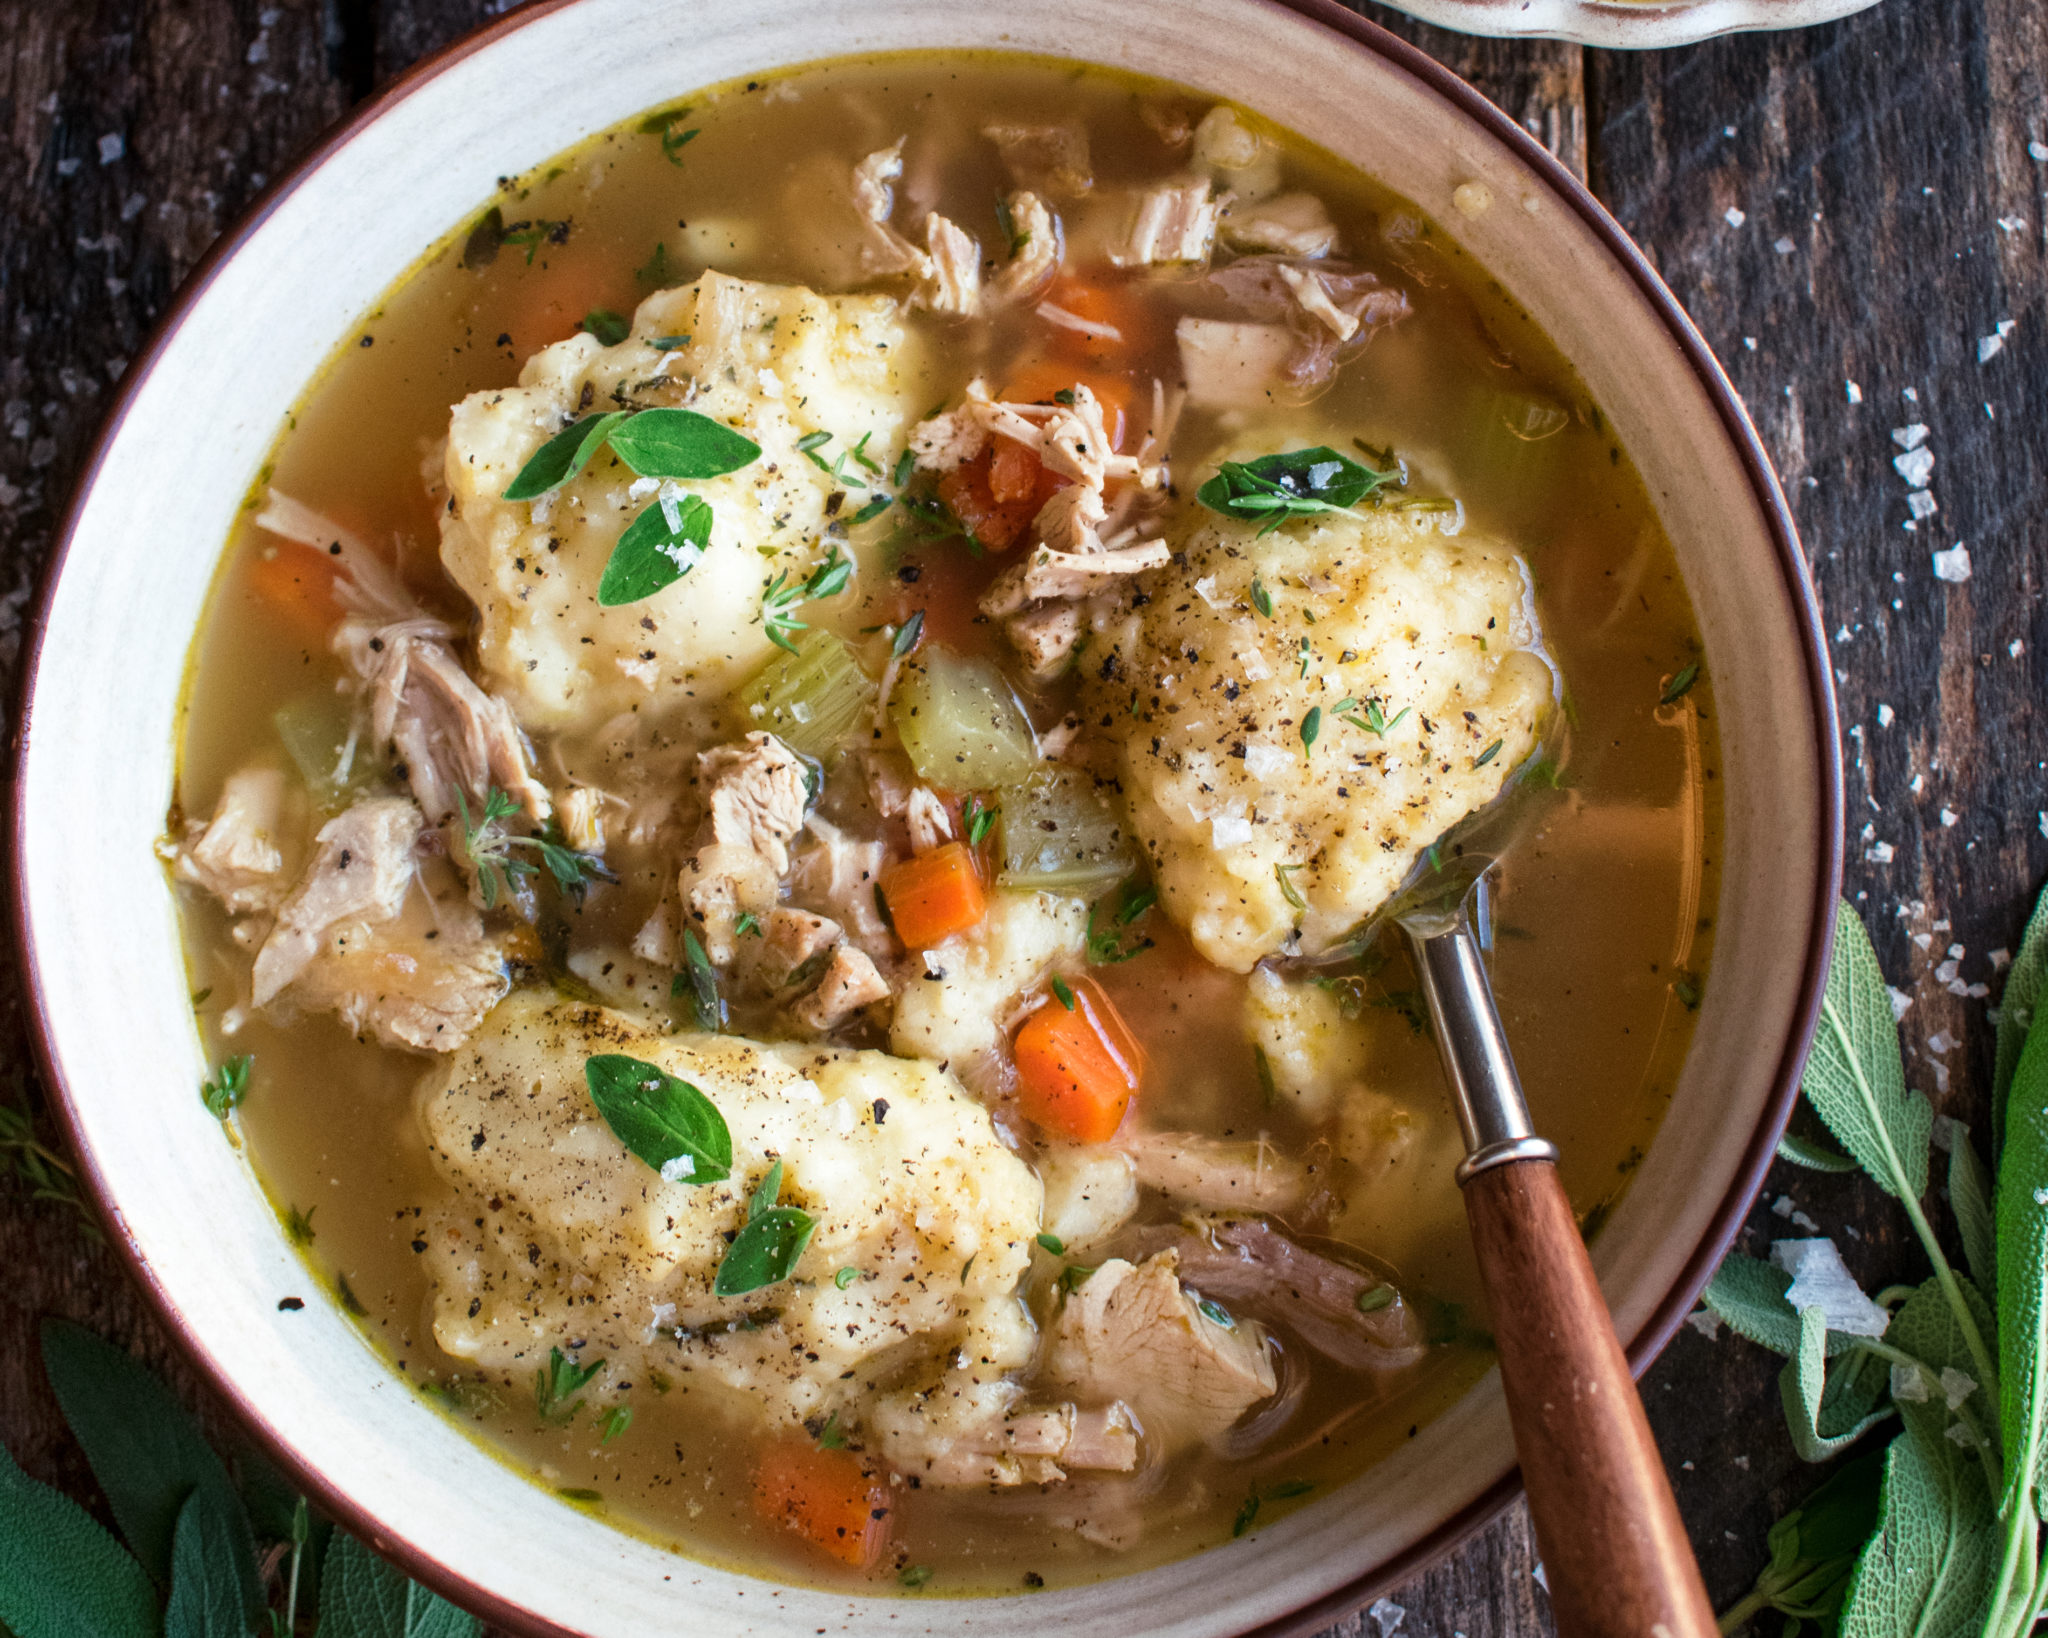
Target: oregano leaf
[[766, 1252], [657, 549], [563, 456], [680, 443], [664, 1121]]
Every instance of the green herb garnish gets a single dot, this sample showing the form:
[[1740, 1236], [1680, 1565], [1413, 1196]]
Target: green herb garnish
[[699, 982], [979, 818], [1054, 1244], [1680, 685], [228, 1086], [846, 1277], [557, 1383], [1288, 890], [831, 1436], [1311, 725], [1375, 1297], [1375, 720], [298, 1225], [766, 1251], [656, 270], [664, 1121], [613, 1423], [609, 327], [1299, 483], [1488, 754], [489, 846], [779, 601], [1216, 1313], [1106, 947], [914, 1575], [907, 635], [1061, 993], [1262, 600]]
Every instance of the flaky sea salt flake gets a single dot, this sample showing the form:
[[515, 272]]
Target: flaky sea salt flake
[[1821, 1280], [1733, 217], [1952, 565], [1386, 1615]]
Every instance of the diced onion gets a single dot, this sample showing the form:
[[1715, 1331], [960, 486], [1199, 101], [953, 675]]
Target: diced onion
[[961, 723], [1060, 833]]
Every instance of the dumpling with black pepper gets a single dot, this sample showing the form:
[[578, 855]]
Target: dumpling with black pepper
[[1303, 712]]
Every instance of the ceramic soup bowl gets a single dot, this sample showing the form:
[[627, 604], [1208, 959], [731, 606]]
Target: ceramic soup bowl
[[196, 417]]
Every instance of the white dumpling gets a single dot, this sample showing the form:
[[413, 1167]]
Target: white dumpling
[[776, 362], [1208, 694], [556, 1233]]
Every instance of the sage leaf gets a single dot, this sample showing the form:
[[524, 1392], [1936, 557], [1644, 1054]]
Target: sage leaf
[[61, 1575], [1820, 1429], [206, 1583], [144, 1450], [1927, 1570], [766, 1251], [666, 1122], [563, 456], [1855, 1078], [680, 443], [1969, 1196], [1930, 1568], [1815, 1157], [654, 553], [2022, 1258], [1749, 1296], [363, 1597], [1814, 1549], [2016, 1003]]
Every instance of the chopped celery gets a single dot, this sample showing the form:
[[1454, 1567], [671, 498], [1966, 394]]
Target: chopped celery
[[961, 723], [814, 698], [1061, 834], [315, 728]]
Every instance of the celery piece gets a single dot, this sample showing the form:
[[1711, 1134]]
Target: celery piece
[[815, 698], [1059, 833], [315, 729], [961, 723]]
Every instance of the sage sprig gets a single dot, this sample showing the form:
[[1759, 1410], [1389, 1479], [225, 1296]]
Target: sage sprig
[[1957, 1542], [202, 1558]]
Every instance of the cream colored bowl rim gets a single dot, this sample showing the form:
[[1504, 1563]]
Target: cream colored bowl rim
[[1799, 602]]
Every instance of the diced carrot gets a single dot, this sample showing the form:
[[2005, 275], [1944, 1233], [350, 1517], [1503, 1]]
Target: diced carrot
[[1115, 305], [934, 894], [1038, 380], [295, 584], [1013, 471], [968, 489], [1077, 1067], [831, 1498]]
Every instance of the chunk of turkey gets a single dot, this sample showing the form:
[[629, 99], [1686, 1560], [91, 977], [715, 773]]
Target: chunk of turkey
[[445, 732], [1051, 158], [1291, 224], [1217, 1174], [753, 795], [353, 938], [361, 870], [884, 251], [955, 283], [849, 982], [1132, 1333], [1047, 575], [1035, 255], [1174, 222], [235, 855]]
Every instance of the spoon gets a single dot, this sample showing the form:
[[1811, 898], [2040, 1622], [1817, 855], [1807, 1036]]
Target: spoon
[[1615, 1553]]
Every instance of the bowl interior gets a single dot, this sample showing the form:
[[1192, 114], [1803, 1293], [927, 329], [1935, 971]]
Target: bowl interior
[[198, 418]]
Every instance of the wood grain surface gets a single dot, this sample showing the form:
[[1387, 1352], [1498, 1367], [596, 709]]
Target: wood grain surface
[[1860, 203]]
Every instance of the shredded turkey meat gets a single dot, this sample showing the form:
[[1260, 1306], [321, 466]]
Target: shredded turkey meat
[[884, 250], [444, 732], [1046, 574], [1051, 158], [930, 825], [849, 982], [1248, 1262], [834, 873], [753, 796], [234, 855], [1172, 223], [1034, 253], [954, 285], [1289, 224], [426, 985], [1331, 308], [1132, 1333], [361, 871], [1217, 1174]]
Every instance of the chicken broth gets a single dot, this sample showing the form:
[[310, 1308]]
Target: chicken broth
[[1060, 554]]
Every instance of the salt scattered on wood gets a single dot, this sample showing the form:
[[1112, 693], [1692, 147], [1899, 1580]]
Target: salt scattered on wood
[[1900, 1001], [2000, 960], [112, 146], [1916, 466], [1952, 565], [1886, 716], [1386, 1615], [1880, 853], [1855, 392], [1784, 247], [1706, 1322], [2038, 151], [1821, 1280], [1734, 217]]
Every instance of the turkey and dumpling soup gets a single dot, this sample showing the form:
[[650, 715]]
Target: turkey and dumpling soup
[[785, 789]]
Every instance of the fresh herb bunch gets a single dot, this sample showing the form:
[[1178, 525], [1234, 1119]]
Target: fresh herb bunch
[[490, 848], [1953, 1542], [204, 1557], [1296, 483], [38, 1166]]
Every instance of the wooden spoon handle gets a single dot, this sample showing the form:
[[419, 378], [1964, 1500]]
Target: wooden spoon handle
[[1614, 1550]]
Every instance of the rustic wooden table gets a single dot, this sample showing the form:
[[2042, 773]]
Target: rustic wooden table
[[1857, 218]]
